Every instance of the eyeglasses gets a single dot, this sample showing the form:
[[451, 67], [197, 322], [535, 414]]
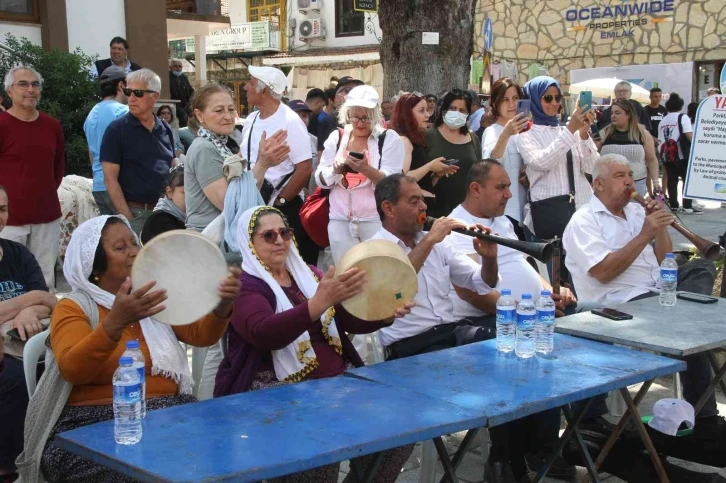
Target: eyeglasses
[[417, 94], [364, 120], [137, 92], [270, 236], [25, 85], [549, 98]]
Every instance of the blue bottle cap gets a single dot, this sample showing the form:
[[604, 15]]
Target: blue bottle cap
[[526, 296], [506, 291], [132, 344], [546, 293], [126, 361], [670, 255]]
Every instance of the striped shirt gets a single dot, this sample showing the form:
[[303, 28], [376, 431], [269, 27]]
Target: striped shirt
[[544, 151]]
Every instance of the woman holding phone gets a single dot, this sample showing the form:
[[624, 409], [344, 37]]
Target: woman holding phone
[[355, 158], [500, 141]]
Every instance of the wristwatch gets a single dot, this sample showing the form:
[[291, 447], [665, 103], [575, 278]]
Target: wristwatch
[[281, 200]]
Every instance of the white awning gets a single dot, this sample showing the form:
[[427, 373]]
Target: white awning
[[321, 59]]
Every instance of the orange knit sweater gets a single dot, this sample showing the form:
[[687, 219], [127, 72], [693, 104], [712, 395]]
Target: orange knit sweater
[[88, 358]]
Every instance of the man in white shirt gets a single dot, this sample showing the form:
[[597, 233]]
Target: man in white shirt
[[283, 184], [614, 250], [431, 325], [488, 191]]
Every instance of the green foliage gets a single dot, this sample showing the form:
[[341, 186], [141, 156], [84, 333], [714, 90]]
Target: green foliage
[[69, 92]]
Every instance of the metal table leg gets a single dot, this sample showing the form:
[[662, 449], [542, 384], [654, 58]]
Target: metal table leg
[[449, 470], [644, 436], [589, 465], [460, 453], [571, 430], [714, 365], [366, 477], [711, 387]]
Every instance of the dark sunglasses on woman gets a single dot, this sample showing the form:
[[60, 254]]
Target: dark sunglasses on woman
[[137, 92], [548, 98], [270, 236]]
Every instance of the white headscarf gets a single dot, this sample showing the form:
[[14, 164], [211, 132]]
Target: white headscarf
[[298, 359], [167, 357]]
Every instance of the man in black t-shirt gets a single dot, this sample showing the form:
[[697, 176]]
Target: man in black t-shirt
[[655, 112]]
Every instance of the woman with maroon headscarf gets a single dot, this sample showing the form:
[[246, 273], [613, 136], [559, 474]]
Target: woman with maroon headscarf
[[410, 119]]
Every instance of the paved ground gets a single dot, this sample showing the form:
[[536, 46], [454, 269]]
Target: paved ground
[[710, 225]]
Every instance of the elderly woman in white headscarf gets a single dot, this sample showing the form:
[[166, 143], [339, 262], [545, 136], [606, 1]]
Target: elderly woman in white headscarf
[[88, 334], [289, 326]]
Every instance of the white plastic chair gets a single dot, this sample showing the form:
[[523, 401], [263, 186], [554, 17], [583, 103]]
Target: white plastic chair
[[198, 356], [34, 348]]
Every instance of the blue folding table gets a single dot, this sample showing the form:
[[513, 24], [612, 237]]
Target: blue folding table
[[273, 432], [505, 388]]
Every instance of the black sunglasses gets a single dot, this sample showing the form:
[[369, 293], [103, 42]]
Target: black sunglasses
[[137, 92], [548, 98], [270, 236]]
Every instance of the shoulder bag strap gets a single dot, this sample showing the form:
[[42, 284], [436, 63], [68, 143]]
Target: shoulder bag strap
[[249, 142], [381, 140], [571, 175]]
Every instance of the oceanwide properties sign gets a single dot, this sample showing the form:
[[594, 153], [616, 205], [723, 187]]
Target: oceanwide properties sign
[[621, 18]]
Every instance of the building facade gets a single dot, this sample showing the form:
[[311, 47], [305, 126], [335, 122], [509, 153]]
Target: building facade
[[579, 40]]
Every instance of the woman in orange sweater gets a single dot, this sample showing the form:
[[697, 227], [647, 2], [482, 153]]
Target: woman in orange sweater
[[98, 261]]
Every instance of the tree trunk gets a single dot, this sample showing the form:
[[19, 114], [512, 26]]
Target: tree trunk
[[410, 66]]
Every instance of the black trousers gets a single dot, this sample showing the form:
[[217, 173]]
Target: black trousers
[[675, 173], [305, 245]]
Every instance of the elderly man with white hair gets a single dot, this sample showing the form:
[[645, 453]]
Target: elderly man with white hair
[[283, 184], [623, 90], [32, 164], [614, 250], [137, 151]]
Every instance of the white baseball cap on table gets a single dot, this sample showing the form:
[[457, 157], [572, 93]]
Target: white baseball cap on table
[[273, 78], [363, 96], [669, 414]]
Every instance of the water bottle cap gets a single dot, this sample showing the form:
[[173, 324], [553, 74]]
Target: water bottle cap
[[132, 344], [670, 255], [526, 296], [126, 361], [506, 291], [546, 293]]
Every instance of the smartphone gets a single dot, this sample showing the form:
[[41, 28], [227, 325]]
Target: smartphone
[[595, 130], [13, 334], [524, 106], [697, 297], [355, 155], [612, 314], [451, 162], [586, 100]]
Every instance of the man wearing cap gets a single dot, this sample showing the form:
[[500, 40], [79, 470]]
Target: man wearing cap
[[331, 123], [283, 184], [137, 151], [180, 89], [112, 106], [306, 115]]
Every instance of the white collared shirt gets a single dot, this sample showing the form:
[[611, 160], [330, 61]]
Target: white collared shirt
[[592, 234], [515, 272], [443, 266]]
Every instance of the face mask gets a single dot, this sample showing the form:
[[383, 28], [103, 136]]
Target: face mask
[[455, 119], [176, 73]]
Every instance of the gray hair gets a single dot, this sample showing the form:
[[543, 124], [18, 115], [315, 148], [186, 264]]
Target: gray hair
[[10, 76], [174, 61], [261, 87], [374, 114], [147, 76], [624, 84], [600, 167]]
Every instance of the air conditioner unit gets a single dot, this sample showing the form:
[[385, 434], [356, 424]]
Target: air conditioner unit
[[306, 6], [310, 29]]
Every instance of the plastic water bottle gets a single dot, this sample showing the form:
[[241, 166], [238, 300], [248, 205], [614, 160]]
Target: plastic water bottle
[[133, 351], [668, 280], [127, 403], [544, 328], [526, 316], [506, 321]]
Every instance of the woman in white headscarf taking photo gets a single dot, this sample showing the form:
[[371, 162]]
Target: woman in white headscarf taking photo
[[289, 325], [88, 333]]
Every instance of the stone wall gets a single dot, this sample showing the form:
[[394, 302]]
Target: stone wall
[[538, 31]]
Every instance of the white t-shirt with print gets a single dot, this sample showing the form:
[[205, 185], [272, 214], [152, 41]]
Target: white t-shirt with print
[[668, 128], [297, 138]]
